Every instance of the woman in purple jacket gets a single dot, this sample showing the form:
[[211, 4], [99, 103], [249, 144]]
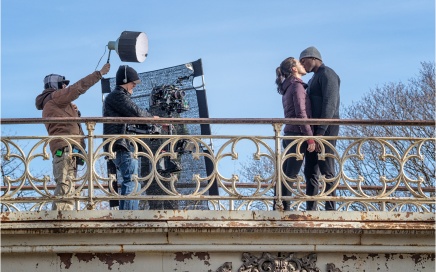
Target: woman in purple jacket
[[296, 104]]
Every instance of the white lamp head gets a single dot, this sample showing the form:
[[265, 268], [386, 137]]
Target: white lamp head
[[130, 46]]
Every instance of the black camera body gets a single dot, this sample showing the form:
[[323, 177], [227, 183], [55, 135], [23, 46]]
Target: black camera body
[[168, 166], [168, 98], [144, 129]]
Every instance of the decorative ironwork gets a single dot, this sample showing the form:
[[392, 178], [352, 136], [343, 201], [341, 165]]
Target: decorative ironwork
[[272, 263], [226, 267], [30, 185], [332, 268]]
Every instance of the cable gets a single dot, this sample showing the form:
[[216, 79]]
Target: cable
[[101, 58], [125, 74]]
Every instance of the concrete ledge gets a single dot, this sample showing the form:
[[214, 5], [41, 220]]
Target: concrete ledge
[[201, 215], [205, 240], [173, 230]]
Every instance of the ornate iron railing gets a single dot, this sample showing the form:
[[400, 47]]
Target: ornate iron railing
[[387, 173]]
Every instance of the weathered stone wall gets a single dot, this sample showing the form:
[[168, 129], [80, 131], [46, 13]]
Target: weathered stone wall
[[217, 241]]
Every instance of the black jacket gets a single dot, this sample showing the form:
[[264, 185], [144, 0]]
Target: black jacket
[[324, 96], [118, 103]]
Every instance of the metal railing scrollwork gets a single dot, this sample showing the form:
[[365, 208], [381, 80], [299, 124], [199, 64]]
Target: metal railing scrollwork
[[372, 173]]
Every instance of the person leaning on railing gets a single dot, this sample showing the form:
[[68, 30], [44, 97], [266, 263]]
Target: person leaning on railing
[[57, 101]]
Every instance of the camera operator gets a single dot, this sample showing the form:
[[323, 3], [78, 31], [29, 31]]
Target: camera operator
[[118, 103], [57, 101]]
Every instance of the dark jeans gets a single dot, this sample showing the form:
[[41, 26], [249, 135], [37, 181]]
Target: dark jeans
[[326, 167], [292, 166]]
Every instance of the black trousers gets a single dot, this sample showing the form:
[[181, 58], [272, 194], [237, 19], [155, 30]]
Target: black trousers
[[326, 167], [292, 166]]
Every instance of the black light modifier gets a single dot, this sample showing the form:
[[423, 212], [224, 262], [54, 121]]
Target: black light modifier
[[130, 46]]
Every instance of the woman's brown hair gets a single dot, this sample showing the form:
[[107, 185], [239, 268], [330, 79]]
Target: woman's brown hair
[[284, 71]]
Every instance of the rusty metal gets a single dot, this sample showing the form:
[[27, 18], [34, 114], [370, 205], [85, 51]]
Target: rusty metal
[[174, 240], [260, 121], [429, 189]]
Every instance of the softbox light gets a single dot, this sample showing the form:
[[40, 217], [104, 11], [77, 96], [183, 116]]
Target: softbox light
[[131, 46]]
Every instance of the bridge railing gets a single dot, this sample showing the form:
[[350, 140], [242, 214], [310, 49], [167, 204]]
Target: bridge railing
[[234, 171]]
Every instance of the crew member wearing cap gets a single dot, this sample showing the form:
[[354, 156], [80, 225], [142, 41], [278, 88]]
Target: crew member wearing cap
[[57, 101], [118, 103], [323, 91]]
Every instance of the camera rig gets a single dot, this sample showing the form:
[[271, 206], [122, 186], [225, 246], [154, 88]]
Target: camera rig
[[168, 98], [166, 101], [144, 129], [182, 146]]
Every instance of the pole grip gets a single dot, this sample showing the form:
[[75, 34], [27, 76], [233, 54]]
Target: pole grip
[[109, 56]]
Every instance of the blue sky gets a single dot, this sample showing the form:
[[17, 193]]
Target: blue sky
[[368, 43]]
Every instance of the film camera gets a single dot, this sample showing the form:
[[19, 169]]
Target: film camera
[[168, 98], [144, 129]]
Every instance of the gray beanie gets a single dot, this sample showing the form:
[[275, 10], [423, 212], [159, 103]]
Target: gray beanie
[[310, 52]]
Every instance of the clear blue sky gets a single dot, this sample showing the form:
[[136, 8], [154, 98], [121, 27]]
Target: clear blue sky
[[368, 43]]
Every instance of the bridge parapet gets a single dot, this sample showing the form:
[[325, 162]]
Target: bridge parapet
[[170, 240], [226, 219], [378, 173]]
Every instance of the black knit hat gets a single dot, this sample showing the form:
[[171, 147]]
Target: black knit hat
[[126, 74]]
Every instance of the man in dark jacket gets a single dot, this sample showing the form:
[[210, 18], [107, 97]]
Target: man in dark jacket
[[323, 91], [118, 103], [57, 101]]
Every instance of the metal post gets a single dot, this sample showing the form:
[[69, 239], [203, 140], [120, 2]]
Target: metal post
[[90, 126], [278, 151]]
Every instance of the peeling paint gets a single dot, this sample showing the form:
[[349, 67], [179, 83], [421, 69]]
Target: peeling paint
[[416, 258], [419, 258], [388, 256], [107, 258], [85, 257], [346, 258], [176, 218], [373, 255], [182, 256], [372, 242], [121, 258], [5, 217], [237, 224], [202, 255], [65, 259], [108, 216]]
